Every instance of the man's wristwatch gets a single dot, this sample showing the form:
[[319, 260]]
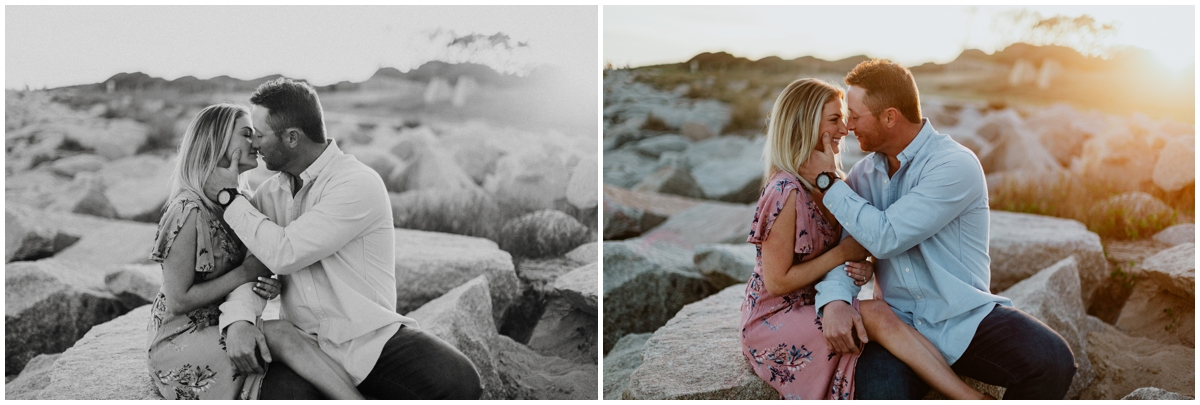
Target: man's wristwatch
[[226, 196], [825, 180]]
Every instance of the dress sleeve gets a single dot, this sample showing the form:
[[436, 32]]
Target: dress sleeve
[[770, 204], [169, 227]]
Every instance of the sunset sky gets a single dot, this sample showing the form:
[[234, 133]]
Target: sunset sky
[[59, 46], [912, 35]]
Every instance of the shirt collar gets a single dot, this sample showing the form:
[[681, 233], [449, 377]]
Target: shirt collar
[[322, 161], [913, 147]]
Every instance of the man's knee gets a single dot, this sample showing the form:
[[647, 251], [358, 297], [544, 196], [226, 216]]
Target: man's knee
[[880, 375], [282, 383], [462, 379]]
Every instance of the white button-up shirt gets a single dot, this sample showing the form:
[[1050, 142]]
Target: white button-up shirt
[[333, 245]]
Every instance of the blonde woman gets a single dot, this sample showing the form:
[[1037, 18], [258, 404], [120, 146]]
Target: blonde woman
[[798, 242], [202, 262]]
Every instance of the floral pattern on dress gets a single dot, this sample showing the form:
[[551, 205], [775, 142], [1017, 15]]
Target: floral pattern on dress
[[782, 334], [186, 355]]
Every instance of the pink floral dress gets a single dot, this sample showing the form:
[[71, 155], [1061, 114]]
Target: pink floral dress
[[781, 335], [186, 353]]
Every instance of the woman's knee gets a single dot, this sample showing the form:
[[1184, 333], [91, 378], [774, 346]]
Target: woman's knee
[[281, 333], [878, 316]]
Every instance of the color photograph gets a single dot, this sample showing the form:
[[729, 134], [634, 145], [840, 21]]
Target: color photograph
[[969, 202]]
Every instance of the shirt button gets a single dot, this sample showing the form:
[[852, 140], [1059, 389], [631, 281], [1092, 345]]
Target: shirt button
[[918, 296], [309, 288], [919, 322], [906, 270]]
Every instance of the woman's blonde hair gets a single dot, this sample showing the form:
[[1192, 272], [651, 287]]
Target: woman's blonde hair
[[792, 129], [204, 144]]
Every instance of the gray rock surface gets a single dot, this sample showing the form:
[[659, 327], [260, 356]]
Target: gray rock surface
[[507, 369], [84, 195], [109, 363], [139, 282], [670, 179], [429, 264], [27, 236], [645, 285], [534, 179], [1052, 296], [1173, 269], [726, 264], [585, 253], [1152, 393], [72, 165], [386, 165], [655, 146], [567, 327], [705, 333], [1023, 244], [432, 168], [137, 186], [1177, 234], [728, 168], [620, 362], [33, 379], [1124, 363], [1176, 164], [629, 213], [578, 287], [581, 187], [704, 223], [624, 168], [49, 305], [102, 242]]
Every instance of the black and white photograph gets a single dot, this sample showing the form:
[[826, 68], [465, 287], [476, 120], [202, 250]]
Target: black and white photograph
[[301, 202]]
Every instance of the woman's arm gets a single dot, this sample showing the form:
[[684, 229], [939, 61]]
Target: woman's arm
[[782, 276], [179, 268]]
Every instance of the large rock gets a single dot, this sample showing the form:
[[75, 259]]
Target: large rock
[[478, 160], [428, 264], [534, 179], [109, 363], [1022, 244], [1176, 165], [655, 146], [625, 167], [545, 233], [704, 223], [725, 264], [137, 283], [620, 362], [1121, 157], [33, 379], [1125, 363], [137, 186], [579, 288], [567, 327], [72, 165], [432, 169], [388, 166], [1052, 296], [585, 253], [644, 285], [704, 333], [581, 187], [49, 304], [1161, 305], [728, 168], [670, 179], [1015, 147], [103, 242], [27, 236], [1155, 394], [507, 369], [630, 213], [1177, 234]]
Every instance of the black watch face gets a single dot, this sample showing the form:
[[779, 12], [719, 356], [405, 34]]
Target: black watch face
[[822, 181]]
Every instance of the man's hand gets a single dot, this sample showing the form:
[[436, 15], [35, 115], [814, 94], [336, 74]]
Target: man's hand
[[840, 324], [818, 161], [222, 177], [241, 338]]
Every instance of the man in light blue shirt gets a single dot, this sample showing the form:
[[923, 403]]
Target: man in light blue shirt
[[919, 205]]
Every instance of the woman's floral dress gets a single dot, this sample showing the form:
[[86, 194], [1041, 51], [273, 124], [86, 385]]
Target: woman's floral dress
[[186, 354], [781, 335]]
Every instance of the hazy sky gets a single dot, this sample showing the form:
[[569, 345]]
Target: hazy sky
[[58, 46], [911, 35]]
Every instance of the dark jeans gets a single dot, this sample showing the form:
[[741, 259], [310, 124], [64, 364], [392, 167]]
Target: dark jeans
[[1010, 349], [413, 365]]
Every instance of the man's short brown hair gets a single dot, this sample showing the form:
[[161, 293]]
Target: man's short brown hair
[[888, 85]]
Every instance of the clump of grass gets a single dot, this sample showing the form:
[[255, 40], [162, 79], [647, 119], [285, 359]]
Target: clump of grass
[[161, 134], [545, 233], [461, 212], [1065, 195], [654, 123], [745, 114]]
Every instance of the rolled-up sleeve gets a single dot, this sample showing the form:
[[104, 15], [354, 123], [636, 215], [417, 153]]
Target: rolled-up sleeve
[[343, 212], [242, 304], [946, 189]]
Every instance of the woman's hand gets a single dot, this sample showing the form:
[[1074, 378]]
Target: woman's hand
[[861, 272], [268, 287]]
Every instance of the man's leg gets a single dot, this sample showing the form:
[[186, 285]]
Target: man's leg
[[283, 383], [1016, 351], [417, 365], [880, 375]]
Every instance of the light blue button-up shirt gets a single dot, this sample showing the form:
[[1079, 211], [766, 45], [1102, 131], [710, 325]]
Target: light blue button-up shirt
[[928, 227]]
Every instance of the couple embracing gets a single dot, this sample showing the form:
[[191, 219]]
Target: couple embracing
[[319, 235], [913, 215]]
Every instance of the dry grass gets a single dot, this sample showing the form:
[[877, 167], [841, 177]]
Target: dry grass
[[1068, 196]]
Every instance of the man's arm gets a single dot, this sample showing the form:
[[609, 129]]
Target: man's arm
[[344, 210], [943, 192]]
